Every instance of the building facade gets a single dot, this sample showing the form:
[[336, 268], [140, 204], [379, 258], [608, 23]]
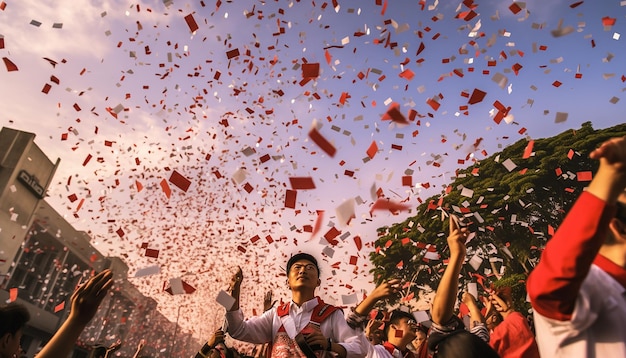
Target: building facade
[[43, 258]]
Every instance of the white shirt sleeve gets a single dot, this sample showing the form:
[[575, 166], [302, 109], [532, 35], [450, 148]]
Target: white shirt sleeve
[[258, 329], [336, 328]]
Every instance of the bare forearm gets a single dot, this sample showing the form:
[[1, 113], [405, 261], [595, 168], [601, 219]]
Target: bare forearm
[[475, 314], [235, 294], [62, 343], [443, 303], [366, 305]]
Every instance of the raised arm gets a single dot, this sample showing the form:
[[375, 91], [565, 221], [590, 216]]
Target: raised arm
[[85, 302], [610, 180], [235, 288], [256, 329], [445, 297], [475, 315], [358, 316], [554, 284], [382, 291], [501, 304]]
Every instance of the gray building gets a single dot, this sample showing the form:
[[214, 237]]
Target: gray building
[[43, 258]]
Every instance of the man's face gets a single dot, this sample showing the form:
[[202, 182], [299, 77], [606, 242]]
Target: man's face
[[408, 328], [11, 345], [303, 274]]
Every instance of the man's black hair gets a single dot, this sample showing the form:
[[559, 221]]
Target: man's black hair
[[13, 317], [395, 317], [464, 344], [302, 256]]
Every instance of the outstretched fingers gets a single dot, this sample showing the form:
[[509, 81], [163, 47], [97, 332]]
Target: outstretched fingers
[[613, 150]]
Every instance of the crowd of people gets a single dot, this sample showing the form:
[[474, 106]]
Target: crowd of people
[[577, 293]]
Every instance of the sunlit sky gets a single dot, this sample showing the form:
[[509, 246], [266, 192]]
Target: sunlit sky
[[181, 104]]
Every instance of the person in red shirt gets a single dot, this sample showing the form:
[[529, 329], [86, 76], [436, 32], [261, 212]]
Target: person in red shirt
[[577, 289], [511, 335]]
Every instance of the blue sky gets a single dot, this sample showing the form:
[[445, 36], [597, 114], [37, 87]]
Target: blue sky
[[141, 56]]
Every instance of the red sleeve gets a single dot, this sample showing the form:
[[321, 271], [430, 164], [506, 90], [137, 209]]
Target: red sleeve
[[554, 284]]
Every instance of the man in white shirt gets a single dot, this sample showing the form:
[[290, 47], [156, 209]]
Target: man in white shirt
[[304, 327]]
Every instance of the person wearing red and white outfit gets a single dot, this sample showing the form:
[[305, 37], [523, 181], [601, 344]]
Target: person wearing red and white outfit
[[400, 330], [304, 327], [578, 288]]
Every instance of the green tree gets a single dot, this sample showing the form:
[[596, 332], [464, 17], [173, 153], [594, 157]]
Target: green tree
[[512, 212]]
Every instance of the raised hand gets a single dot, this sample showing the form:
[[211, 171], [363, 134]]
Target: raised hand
[[387, 289], [457, 238], [267, 301], [613, 151], [87, 298], [235, 282]]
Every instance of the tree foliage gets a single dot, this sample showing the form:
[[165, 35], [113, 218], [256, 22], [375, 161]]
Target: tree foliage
[[512, 212]]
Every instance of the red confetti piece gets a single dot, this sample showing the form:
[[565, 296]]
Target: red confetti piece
[[301, 183], [331, 235], [395, 115], [232, 53], [9, 65], [87, 159], [515, 8], [180, 181], [528, 150], [433, 104], [371, 151], [318, 223], [13, 294], [584, 176], [59, 307], [191, 22], [385, 204], [477, 96], [407, 74], [310, 70], [324, 144], [152, 253], [608, 21], [166, 188], [290, 199]]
